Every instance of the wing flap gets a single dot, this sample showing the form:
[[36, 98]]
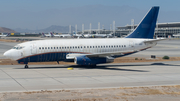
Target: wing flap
[[106, 54]]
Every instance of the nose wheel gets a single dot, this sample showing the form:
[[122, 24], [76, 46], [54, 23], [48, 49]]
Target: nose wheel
[[26, 66]]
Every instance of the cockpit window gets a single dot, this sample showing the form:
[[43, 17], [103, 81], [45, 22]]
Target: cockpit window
[[18, 47]]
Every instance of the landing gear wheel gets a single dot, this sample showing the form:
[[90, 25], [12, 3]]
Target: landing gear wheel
[[26, 66]]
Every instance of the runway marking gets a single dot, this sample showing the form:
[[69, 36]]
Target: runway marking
[[14, 79]]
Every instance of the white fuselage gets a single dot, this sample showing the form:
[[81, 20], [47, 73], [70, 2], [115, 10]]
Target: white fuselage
[[81, 46]]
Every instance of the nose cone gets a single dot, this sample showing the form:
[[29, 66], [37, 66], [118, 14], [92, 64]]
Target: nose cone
[[12, 54], [7, 54]]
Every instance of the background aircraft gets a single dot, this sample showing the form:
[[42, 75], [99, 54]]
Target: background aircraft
[[61, 35], [2, 35], [46, 35]]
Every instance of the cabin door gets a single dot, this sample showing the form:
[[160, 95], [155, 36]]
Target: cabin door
[[33, 49]]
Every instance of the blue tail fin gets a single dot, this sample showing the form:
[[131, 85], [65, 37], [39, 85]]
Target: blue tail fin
[[146, 27]]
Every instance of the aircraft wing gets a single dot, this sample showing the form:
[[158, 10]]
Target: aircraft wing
[[72, 56]]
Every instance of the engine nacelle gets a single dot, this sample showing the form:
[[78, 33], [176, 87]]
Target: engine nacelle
[[83, 60]]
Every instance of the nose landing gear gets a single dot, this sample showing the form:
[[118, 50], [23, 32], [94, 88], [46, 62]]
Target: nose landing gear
[[26, 66]]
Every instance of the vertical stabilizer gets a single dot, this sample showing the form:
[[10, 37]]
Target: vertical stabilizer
[[52, 35], [146, 27], [43, 34]]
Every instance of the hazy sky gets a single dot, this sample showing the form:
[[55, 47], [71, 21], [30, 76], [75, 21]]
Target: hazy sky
[[37, 5], [9, 6]]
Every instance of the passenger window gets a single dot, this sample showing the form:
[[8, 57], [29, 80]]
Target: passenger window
[[119, 45], [124, 45], [84, 46], [39, 47], [90, 46], [96, 46], [62, 47], [112, 46], [54, 47], [93, 46], [42, 47], [57, 47], [81, 46], [109, 46], [67, 47], [51, 48], [78, 46], [87, 46], [45, 47], [75, 47], [48, 48]]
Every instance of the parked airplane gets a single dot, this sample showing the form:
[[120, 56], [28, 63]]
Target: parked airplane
[[77, 35], [88, 51], [46, 35], [61, 35], [102, 35], [2, 35], [88, 35]]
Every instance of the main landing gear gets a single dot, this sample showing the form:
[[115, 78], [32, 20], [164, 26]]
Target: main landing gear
[[26, 66]]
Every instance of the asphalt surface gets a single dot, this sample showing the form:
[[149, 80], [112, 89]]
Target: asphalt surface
[[57, 77]]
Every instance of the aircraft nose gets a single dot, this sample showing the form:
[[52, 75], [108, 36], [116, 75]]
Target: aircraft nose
[[7, 54]]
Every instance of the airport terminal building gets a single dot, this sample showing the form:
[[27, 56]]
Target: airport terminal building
[[162, 29], [171, 29]]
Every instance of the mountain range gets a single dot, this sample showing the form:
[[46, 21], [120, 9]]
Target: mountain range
[[6, 30]]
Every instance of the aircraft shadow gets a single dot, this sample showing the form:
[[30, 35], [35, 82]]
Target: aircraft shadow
[[102, 67]]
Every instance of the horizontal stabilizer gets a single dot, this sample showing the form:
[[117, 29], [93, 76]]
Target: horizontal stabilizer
[[153, 40]]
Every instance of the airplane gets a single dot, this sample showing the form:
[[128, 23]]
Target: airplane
[[46, 35], [2, 35], [103, 35], [77, 35], [61, 36], [88, 35], [88, 52]]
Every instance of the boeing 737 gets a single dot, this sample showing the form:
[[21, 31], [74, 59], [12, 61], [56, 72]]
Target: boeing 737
[[88, 52]]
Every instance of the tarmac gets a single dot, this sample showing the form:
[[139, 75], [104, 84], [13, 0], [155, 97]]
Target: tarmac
[[14, 78]]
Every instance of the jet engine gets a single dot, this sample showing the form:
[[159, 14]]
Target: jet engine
[[84, 60]]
